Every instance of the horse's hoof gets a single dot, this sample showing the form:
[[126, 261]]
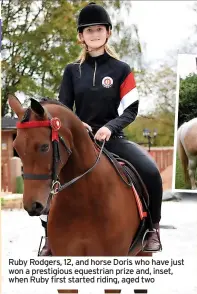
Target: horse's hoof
[[194, 188]]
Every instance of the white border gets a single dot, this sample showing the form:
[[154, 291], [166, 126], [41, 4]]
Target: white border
[[175, 126], [185, 191]]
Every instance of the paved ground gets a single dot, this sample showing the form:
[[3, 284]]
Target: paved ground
[[21, 237]]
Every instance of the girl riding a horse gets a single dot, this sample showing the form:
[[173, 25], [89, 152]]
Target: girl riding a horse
[[104, 92]]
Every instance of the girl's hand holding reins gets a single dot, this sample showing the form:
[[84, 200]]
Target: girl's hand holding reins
[[103, 134], [87, 126]]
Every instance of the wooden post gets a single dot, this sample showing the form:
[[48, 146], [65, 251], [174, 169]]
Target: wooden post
[[15, 164]]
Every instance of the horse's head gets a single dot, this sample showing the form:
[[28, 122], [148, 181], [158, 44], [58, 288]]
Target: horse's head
[[42, 150]]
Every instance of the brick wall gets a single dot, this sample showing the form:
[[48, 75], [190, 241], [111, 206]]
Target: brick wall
[[163, 156]]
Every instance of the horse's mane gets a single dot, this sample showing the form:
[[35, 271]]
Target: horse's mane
[[43, 101], [47, 100]]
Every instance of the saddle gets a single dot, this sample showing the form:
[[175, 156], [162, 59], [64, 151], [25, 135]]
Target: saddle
[[131, 177]]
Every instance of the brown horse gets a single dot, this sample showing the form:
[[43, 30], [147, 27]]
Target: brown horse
[[95, 214]]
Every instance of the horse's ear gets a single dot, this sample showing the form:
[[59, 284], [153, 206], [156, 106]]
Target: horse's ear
[[37, 107], [15, 105]]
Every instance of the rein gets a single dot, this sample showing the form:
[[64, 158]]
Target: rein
[[56, 187]]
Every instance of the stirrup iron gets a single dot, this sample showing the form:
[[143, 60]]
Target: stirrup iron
[[152, 230]]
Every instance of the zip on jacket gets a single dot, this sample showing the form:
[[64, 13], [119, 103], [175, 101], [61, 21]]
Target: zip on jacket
[[108, 98]]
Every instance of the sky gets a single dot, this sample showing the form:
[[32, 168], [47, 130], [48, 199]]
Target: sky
[[163, 25], [187, 64]]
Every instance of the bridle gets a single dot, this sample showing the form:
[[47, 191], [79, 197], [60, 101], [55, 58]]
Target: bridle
[[54, 124]]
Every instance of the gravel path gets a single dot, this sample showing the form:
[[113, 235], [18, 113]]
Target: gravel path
[[21, 237]]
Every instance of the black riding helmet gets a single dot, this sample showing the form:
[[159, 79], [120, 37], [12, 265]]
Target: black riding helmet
[[93, 14]]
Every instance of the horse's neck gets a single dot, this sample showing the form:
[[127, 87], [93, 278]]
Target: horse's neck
[[83, 158], [83, 151], [75, 135]]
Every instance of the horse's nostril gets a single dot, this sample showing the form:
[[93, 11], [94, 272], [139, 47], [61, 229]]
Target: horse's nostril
[[37, 207]]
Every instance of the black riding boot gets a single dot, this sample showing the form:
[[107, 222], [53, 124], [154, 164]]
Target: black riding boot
[[46, 251], [153, 242]]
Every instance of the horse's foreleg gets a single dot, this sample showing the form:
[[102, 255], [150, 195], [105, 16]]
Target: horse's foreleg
[[112, 291], [76, 291], [146, 254], [192, 170], [67, 291]]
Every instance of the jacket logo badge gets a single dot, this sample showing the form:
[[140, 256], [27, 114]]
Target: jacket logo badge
[[107, 82]]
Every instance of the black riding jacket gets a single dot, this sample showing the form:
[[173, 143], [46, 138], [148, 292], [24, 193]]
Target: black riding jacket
[[103, 90]]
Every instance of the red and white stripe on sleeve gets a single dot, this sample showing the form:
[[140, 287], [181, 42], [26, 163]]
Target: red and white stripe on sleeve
[[128, 93]]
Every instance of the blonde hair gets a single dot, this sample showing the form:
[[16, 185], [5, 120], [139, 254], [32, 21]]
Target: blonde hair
[[82, 56]]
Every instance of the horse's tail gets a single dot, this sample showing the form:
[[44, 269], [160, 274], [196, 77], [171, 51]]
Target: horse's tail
[[182, 156]]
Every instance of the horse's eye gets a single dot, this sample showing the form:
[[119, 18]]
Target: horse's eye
[[44, 148]]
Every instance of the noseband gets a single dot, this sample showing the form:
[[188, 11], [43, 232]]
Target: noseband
[[55, 124]]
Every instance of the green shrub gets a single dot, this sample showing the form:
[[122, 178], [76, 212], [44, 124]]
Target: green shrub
[[19, 185], [2, 200], [163, 122]]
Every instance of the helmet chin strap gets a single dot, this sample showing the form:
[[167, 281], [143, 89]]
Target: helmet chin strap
[[95, 49]]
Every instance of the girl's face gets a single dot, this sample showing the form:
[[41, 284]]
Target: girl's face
[[94, 36]]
